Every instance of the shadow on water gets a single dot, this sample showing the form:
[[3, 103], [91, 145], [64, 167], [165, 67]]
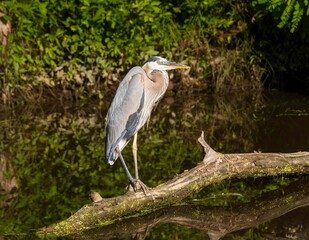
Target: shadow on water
[[52, 157]]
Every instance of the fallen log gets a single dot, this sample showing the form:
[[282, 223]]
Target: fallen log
[[214, 168], [216, 222]]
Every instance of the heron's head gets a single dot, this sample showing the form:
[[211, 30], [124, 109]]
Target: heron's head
[[159, 63]]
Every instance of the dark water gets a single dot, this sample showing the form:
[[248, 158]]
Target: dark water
[[52, 157]]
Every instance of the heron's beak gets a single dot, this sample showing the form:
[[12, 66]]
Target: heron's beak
[[172, 65]]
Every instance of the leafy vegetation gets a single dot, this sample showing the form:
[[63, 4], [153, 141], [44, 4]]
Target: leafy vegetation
[[83, 47], [281, 41], [80, 47], [287, 13]]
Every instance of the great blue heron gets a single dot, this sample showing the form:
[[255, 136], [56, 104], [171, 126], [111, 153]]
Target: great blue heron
[[136, 96]]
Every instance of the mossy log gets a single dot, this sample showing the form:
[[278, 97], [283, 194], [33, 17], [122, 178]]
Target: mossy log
[[214, 168], [216, 222]]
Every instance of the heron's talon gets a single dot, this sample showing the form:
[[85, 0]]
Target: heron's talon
[[142, 186], [137, 185], [131, 185], [134, 186]]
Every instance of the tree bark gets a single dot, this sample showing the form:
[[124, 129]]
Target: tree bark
[[214, 168], [217, 222]]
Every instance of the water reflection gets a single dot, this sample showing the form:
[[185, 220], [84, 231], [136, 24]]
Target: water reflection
[[284, 127], [52, 154], [216, 222]]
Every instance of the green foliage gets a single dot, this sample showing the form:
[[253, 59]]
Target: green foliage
[[288, 13], [281, 41], [85, 46], [81, 44], [65, 39]]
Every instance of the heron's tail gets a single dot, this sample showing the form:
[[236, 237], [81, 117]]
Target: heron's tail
[[111, 154], [112, 158]]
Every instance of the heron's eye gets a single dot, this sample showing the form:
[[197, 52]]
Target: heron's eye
[[158, 62]]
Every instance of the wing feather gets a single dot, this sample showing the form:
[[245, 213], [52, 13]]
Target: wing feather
[[124, 113]]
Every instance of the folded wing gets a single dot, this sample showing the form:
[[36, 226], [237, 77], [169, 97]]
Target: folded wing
[[124, 113]]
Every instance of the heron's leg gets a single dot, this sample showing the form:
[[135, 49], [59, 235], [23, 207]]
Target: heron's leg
[[132, 182], [134, 149]]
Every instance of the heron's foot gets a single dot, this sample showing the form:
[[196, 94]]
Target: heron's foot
[[136, 185], [142, 186], [131, 185]]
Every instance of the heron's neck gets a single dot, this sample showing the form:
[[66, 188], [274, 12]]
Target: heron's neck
[[158, 83]]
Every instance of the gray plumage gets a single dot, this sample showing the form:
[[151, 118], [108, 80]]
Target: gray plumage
[[136, 96], [124, 113]]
